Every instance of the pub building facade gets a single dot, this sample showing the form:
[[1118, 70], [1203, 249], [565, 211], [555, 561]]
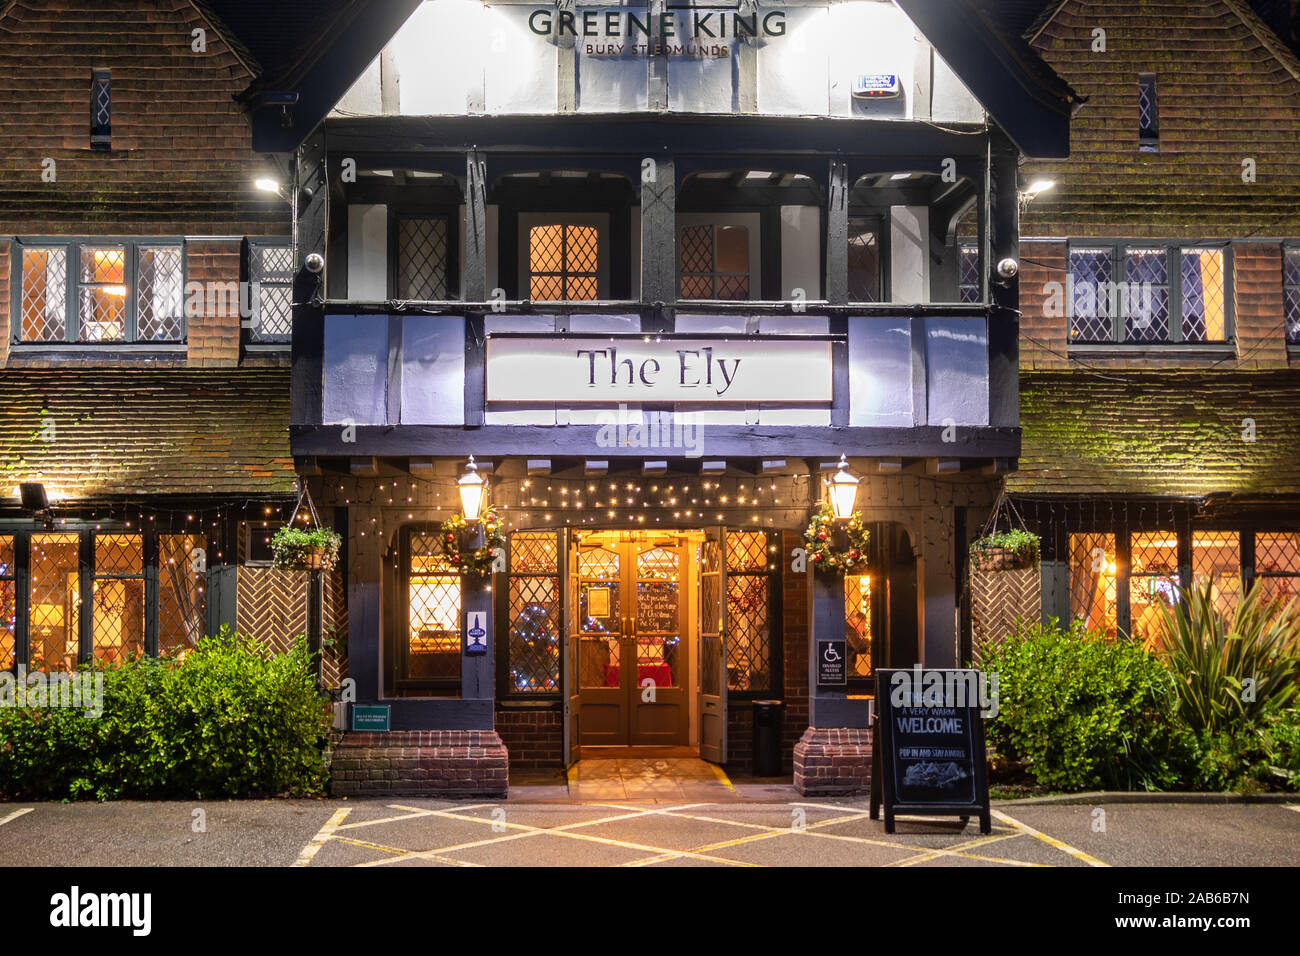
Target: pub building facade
[[1160, 335], [650, 272]]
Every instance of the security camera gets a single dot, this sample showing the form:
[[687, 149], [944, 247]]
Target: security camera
[[1008, 268], [315, 263]]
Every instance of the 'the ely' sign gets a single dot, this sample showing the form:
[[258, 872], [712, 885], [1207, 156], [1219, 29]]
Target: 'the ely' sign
[[613, 369]]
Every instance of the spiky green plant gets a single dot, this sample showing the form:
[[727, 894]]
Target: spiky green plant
[[1231, 669]]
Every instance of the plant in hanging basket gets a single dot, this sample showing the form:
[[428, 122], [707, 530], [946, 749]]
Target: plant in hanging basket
[[1005, 551], [822, 553], [305, 549]]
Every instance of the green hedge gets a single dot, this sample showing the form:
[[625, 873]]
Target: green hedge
[[230, 718]]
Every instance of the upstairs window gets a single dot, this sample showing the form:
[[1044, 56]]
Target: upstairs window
[[1149, 295], [1148, 114], [714, 262], [865, 271], [423, 258], [270, 271], [91, 291], [969, 291], [101, 110], [563, 262], [1291, 294]]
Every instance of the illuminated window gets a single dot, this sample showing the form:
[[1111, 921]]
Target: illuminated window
[[429, 658], [8, 604], [749, 624], [118, 589], [54, 611], [1216, 560], [533, 601], [182, 597], [714, 262], [1153, 583], [1277, 564], [857, 617], [1205, 298], [103, 293], [1092, 581], [563, 263], [1291, 294]]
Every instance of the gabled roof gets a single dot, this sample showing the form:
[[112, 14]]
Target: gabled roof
[[317, 49]]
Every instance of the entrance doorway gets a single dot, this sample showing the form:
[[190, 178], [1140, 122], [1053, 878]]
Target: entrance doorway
[[634, 635]]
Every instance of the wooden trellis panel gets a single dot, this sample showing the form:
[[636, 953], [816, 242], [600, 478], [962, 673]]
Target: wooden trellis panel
[[998, 598], [271, 605]]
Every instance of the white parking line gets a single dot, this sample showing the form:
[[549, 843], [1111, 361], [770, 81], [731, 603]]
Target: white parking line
[[16, 814]]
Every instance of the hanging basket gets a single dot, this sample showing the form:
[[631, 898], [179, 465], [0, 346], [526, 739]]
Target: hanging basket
[[1004, 559], [1012, 550], [305, 549]]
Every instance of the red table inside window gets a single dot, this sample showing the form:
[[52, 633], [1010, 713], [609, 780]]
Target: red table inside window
[[661, 674]]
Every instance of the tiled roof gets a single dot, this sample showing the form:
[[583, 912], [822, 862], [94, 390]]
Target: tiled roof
[[1159, 433], [1228, 91], [146, 431]]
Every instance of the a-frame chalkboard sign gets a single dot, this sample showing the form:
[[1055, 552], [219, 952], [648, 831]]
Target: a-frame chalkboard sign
[[928, 746]]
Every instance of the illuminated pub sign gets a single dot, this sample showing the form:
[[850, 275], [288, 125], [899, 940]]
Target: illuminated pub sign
[[605, 369], [633, 32]]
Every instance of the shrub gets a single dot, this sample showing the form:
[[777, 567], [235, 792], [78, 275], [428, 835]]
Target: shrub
[[1083, 712], [1263, 754], [229, 718], [1212, 656]]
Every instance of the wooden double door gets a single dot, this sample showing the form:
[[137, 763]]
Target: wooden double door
[[630, 631]]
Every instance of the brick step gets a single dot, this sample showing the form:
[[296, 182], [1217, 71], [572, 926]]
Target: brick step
[[447, 763], [833, 761]]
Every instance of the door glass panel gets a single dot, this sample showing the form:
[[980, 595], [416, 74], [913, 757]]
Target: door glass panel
[[1093, 585], [433, 615], [55, 610], [1277, 565], [1153, 582], [8, 607], [657, 620], [119, 597], [857, 618], [599, 617], [1216, 560]]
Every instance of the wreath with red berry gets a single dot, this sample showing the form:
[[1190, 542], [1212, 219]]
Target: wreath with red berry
[[821, 550], [476, 563]]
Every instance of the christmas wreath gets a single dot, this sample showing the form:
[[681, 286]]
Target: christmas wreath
[[823, 554], [479, 561]]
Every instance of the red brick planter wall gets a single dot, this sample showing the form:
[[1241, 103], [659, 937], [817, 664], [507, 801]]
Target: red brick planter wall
[[833, 761], [440, 762]]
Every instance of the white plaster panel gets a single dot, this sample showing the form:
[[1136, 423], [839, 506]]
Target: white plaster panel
[[801, 251], [794, 325], [880, 373], [952, 101], [871, 38], [612, 84], [711, 323], [439, 54], [604, 323], [520, 74], [701, 84], [363, 99], [355, 369], [957, 367], [367, 253], [909, 253], [433, 370], [792, 70]]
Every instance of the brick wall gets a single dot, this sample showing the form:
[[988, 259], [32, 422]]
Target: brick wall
[[1044, 338], [214, 335], [5, 331], [1257, 306], [795, 591], [534, 736]]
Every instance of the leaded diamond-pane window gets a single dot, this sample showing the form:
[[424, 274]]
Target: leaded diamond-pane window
[[1091, 285], [270, 269], [1146, 295], [1204, 295], [1216, 561], [1148, 113], [1277, 564], [1093, 585], [160, 294], [864, 260], [1153, 583], [563, 263], [54, 609], [118, 587], [101, 294], [533, 600], [857, 620], [969, 284], [101, 109], [749, 632], [433, 599], [422, 261], [8, 603], [1291, 294], [44, 294], [714, 262]]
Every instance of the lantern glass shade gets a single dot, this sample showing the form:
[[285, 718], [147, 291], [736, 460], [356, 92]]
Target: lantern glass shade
[[843, 490], [472, 487]]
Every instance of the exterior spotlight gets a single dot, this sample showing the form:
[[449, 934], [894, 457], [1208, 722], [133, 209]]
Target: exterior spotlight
[[1038, 187], [267, 185], [843, 490], [472, 487], [34, 496]]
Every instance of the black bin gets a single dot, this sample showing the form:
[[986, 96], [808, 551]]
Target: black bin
[[768, 716]]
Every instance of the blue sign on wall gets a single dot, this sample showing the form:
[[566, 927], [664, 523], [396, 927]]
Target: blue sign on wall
[[476, 632]]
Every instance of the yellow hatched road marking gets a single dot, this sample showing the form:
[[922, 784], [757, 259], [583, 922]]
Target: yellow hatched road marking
[[411, 814], [16, 814], [1050, 841], [322, 835], [722, 776]]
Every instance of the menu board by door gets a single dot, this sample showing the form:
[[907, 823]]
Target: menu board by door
[[656, 607], [928, 745]]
